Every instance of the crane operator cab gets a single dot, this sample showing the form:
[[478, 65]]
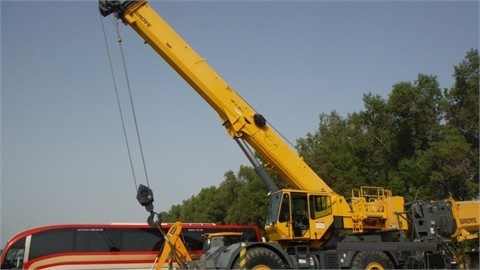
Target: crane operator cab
[[297, 215]]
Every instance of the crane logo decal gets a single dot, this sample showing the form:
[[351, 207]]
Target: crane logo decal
[[147, 23], [471, 220]]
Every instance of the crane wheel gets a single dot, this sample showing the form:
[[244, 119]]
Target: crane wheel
[[260, 258], [372, 260]]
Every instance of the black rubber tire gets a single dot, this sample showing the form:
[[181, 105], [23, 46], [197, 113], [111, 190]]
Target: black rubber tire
[[261, 258], [371, 260]]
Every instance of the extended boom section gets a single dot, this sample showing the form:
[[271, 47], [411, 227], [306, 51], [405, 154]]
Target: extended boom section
[[236, 115]]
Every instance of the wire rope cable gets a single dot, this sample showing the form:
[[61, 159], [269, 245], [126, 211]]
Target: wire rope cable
[[119, 104], [119, 39]]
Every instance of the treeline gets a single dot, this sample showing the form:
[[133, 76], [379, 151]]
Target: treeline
[[421, 142]]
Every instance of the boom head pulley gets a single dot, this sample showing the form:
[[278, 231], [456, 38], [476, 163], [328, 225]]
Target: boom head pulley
[[107, 7]]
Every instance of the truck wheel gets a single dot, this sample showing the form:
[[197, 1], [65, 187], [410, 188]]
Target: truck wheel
[[261, 258], [371, 260]]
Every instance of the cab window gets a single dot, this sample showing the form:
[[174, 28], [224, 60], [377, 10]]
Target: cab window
[[320, 206], [285, 209]]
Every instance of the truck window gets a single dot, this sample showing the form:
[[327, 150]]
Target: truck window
[[14, 256], [51, 242], [97, 240]]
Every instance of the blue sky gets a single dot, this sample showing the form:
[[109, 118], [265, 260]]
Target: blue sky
[[64, 157]]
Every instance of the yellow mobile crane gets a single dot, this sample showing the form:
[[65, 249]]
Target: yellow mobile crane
[[310, 225]]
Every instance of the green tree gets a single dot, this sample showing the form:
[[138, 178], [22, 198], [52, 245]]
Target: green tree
[[416, 113], [251, 203], [446, 168], [462, 105], [229, 190], [198, 208], [337, 152], [387, 143], [378, 126], [173, 215], [462, 108]]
